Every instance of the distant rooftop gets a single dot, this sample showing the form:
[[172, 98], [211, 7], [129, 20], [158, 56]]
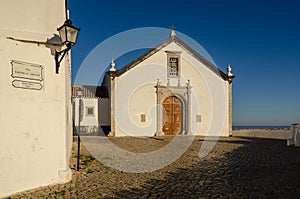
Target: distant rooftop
[[90, 91]]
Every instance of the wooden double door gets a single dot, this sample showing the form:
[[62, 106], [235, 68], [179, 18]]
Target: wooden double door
[[172, 116]]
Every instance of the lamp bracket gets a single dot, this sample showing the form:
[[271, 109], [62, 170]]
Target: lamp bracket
[[59, 57]]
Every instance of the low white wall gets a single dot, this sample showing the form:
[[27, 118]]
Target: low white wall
[[264, 133]]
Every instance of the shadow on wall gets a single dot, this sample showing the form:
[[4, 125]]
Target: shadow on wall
[[258, 168]]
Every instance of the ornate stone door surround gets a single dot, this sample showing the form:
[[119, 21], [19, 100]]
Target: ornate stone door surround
[[183, 93]]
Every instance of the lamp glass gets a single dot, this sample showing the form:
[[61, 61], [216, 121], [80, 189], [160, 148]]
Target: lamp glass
[[62, 33], [68, 33], [72, 33]]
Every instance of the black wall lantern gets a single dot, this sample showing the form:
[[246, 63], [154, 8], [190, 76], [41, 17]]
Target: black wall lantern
[[68, 35]]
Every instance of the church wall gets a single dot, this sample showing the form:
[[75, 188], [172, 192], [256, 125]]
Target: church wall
[[209, 95], [135, 95], [201, 104], [211, 92], [35, 115]]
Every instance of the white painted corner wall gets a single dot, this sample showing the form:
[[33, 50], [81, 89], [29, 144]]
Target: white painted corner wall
[[36, 126]]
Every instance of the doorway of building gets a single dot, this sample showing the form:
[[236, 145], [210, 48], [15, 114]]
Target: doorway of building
[[172, 116]]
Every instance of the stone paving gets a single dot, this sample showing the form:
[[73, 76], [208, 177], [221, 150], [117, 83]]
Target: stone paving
[[235, 168]]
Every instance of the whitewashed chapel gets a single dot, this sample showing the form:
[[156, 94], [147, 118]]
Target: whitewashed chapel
[[170, 90]]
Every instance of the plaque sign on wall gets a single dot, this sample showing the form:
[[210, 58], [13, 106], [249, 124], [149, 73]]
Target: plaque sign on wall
[[27, 75], [27, 85]]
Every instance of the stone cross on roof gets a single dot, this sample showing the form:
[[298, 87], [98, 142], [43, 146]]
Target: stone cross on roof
[[172, 31]]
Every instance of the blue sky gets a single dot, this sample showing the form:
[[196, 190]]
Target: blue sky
[[260, 39]]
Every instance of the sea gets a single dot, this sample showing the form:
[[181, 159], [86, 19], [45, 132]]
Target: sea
[[259, 127]]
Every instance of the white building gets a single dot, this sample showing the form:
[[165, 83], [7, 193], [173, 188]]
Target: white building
[[171, 89], [95, 109], [35, 102]]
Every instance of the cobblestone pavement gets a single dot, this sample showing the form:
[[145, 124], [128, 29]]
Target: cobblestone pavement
[[235, 168]]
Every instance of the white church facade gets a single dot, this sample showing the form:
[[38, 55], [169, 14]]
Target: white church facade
[[170, 90]]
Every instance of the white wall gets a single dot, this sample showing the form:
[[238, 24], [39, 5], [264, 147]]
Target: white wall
[[210, 97], [135, 95], [87, 120], [92, 124], [35, 124]]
